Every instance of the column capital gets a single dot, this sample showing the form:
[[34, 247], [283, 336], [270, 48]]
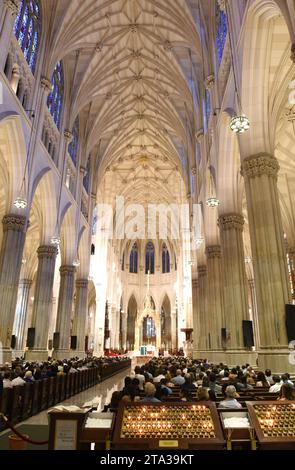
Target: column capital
[[67, 270], [258, 165], [209, 82], [68, 136], [82, 283], [14, 222], [194, 171], [195, 283], [231, 221], [293, 52], [213, 251], [13, 6], [202, 271], [46, 84], [47, 251]]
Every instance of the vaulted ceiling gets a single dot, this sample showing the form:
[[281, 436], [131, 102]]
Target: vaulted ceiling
[[134, 69]]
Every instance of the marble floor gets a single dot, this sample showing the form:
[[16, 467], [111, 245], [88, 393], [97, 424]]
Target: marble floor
[[103, 390]]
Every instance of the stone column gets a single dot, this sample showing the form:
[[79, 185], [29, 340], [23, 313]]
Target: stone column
[[43, 302], [9, 12], [79, 326], [21, 314], [196, 325], [174, 342], [202, 333], [235, 286], [215, 312], [64, 311], [269, 258], [124, 330], [254, 312], [14, 233]]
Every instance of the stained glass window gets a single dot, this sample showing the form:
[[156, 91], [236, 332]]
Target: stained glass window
[[150, 258], [134, 259], [27, 29], [221, 31], [55, 98], [86, 179], [74, 145], [207, 105], [165, 260]]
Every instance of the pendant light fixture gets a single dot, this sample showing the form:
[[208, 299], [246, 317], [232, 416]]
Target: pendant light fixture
[[239, 123], [21, 201]]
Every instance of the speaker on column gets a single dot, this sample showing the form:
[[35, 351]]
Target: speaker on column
[[223, 337], [55, 340], [290, 322], [248, 334], [73, 342], [86, 343], [13, 342], [31, 338]]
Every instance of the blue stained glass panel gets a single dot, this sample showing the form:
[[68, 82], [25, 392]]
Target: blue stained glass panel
[[27, 30], [221, 31], [73, 147], [55, 97]]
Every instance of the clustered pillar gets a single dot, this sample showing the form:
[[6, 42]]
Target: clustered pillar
[[64, 311], [14, 232], [215, 305], [80, 315], [42, 302], [269, 258]]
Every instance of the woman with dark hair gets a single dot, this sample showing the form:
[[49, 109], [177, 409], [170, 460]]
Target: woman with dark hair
[[261, 380], [286, 393]]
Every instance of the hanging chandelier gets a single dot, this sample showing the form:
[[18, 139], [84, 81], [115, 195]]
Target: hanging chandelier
[[240, 124], [20, 202], [55, 240], [213, 202]]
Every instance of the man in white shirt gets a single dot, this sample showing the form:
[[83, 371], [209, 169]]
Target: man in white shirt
[[230, 400], [276, 387], [6, 380], [140, 377], [18, 381], [159, 377]]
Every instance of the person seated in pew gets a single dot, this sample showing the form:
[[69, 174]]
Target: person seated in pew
[[261, 380], [230, 400], [203, 394], [114, 404], [7, 380], [276, 387], [269, 377], [242, 384], [186, 395], [29, 377], [188, 384], [161, 393], [286, 393], [150, 391], [178, 379], [18, 380], [285, 380], [213, 384], [164, 384]]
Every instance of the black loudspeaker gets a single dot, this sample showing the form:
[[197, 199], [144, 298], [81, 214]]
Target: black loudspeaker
[[50, 344], [86, 343], [223, 335], [248, 334], [73, 342], [31, 338], [290, 322], [13, 342], [55, 340]]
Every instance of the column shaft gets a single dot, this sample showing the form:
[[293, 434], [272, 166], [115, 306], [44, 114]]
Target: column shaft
[[215, 312], [21, 314], [64, 310], [202, 333], [43, 301], [235, 280], [269, 257], [11, 253], [80, 317]]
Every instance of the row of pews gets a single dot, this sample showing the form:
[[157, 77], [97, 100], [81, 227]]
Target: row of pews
[[22, 402]]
